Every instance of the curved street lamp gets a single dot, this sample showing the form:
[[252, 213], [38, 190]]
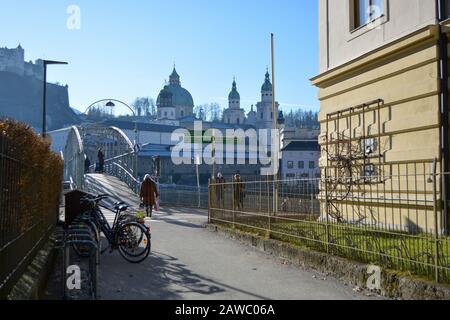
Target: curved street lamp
[[111, 104]]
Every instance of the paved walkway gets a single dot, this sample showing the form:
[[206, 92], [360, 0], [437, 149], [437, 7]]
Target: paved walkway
[[189, 262]]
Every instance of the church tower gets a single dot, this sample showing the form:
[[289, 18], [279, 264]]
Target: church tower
[[265, 113], [234, 98], [234, 114]]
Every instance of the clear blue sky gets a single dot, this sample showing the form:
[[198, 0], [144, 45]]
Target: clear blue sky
[[127, 49]]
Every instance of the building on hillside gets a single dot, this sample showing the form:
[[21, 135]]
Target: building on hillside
[[300, 160], [13, 60], [384, 104]]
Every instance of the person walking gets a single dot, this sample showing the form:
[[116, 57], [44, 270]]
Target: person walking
[[148, 194], [101, 160], [87, 164], [239, 192], [220, 189]]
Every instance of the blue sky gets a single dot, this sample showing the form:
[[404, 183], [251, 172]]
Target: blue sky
[[126, 49]]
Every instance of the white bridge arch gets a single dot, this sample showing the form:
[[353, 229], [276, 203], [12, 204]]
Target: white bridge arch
[[85, 141]]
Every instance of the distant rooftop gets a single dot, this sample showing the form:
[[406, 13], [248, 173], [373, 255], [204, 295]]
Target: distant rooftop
[[130, 125], [305, 145]]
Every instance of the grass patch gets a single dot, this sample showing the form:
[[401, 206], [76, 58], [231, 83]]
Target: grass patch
[[411, 253]]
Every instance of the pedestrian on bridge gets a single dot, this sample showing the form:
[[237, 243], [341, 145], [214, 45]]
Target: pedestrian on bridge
[[87, 164], [149, 194], [101, 160]]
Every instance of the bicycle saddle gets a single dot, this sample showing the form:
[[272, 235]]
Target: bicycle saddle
[[121, 207]]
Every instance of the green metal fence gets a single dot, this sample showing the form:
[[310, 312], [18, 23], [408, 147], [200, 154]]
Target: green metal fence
[[396, 221]]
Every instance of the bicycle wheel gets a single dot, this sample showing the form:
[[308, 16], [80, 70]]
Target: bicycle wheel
[[134, 242]]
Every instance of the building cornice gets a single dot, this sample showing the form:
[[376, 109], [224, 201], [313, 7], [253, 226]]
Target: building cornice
[[372, 59]]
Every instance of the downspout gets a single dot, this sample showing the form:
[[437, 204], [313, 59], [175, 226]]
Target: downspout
[[444, 116]]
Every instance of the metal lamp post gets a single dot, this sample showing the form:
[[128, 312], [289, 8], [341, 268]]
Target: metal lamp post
[[44, 98]]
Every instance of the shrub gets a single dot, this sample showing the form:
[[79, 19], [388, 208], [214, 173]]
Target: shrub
[[33, 174]]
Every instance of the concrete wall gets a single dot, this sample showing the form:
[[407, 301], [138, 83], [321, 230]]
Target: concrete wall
[[338, 43]]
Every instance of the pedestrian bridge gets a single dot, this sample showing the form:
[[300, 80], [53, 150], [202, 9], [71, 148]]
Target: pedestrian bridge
[[84, 141]]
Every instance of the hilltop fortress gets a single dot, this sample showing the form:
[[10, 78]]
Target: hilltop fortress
[[13, 60], [21, 92]]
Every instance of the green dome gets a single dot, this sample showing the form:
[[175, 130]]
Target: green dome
[[267, 86], [165, 98], [234, 94], [180, 96]]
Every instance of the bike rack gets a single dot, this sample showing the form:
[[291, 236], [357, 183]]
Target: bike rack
[[78, 234]]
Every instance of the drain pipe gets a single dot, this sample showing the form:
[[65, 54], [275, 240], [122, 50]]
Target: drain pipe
[[443, 108]]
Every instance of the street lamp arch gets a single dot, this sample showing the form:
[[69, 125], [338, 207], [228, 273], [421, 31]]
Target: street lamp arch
[[110, 100], [136, 147]]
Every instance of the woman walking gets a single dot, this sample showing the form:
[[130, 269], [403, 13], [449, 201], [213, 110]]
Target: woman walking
[[148, 194]]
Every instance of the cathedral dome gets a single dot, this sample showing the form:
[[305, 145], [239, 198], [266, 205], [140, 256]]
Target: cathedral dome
[[180, 96], [267, 86], [165, 98]]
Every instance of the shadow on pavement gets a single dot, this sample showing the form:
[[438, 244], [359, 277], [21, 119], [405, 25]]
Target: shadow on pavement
[[160, 277]]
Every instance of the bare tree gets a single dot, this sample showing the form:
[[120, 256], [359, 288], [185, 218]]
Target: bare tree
[[144, 106], [209, 112]]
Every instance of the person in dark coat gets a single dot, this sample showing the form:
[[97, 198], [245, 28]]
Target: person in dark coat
[[148, 194], [101, 160], [220, 189], [87, 164], [239, 192]]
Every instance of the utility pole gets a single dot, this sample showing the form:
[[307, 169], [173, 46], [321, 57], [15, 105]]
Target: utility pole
[[275, 127], [213, 155]]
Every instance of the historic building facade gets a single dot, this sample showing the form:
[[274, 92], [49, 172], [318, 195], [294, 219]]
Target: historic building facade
[[384, 102]]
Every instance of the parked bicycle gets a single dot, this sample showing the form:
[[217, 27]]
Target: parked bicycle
[[128, 234]]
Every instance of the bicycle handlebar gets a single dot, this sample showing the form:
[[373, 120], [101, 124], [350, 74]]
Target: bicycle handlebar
[[95, 199]]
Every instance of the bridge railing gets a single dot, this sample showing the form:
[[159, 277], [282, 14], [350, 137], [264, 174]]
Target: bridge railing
[[183, 196], [123, 168]]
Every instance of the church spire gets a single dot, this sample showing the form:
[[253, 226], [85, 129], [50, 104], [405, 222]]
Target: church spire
[[267, 86], [174, 77]]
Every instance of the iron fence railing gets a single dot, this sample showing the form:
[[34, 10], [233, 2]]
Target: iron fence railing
[[395, 221], [184, 196], [23, 230]]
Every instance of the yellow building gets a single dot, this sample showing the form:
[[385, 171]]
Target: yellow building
[[383, 91]]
